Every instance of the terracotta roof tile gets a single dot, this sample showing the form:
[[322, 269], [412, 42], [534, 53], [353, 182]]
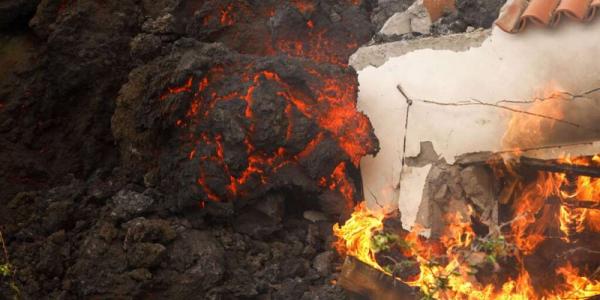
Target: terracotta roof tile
[[515, 15], [575, 9], [540, 11]]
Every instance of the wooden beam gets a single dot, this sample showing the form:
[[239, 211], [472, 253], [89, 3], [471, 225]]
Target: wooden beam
[[553, 166], [362, 280], [574, 203]]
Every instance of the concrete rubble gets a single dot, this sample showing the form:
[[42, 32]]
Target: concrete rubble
[[415, 19]]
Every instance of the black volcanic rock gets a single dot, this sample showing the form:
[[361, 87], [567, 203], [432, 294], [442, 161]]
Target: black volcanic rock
[[229, 121]]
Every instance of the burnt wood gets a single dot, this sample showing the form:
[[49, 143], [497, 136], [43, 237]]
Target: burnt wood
[[553, 166], [365, 282], [575, 203]]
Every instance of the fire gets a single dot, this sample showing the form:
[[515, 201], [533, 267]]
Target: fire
[[548, 203], [355, 235], [454, 279], [576, 220], [527, 231], [526, 130], [576, 286]]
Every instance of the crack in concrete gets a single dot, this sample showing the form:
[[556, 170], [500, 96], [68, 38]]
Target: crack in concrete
[[564, 93], [477, 102]]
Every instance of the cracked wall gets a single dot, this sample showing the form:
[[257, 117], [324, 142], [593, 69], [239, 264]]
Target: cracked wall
[[460, 103]]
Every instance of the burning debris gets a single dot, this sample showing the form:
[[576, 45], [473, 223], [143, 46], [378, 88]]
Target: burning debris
[[528, 254], [501, 226]]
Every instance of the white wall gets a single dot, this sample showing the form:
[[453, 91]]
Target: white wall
[[504, 67]]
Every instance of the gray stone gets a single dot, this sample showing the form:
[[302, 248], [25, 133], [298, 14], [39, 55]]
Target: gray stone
[[397, 24], [420, 21], [293, 267], [128, 204], [255, 224], [478, 185], [325, 292], [200, 259], [415, 19], [273, 206], [376, 55], [140, 274], [145, 255], [154, 230], [161, 25], [314, 216], [322, 263]]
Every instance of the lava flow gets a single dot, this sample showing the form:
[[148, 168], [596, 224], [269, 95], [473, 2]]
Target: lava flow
[[320, 113], [303, 28], [267, 111]]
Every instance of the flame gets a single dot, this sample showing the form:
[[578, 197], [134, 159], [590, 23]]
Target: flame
[[576, 286], [577, 220], [354, 237], [528, 231], [526, 130], [533, 217]]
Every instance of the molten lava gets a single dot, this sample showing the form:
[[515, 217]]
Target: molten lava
[[303, 28], [265, 100]]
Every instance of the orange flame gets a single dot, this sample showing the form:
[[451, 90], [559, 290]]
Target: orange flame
[[354, 237], [453, 279]]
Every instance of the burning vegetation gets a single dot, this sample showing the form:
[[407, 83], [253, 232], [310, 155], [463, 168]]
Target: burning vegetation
[[542, 245]]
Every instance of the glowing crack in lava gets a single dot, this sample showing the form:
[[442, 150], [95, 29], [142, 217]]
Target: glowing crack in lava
[[297, 28], [271, 115], [447, 267], [255, 98]]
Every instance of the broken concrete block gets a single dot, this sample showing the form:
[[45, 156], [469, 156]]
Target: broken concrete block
[[397, 24], [478, 184], [420, 20], [415, 19]]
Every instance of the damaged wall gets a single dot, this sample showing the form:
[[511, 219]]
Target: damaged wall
[[468, 88]]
